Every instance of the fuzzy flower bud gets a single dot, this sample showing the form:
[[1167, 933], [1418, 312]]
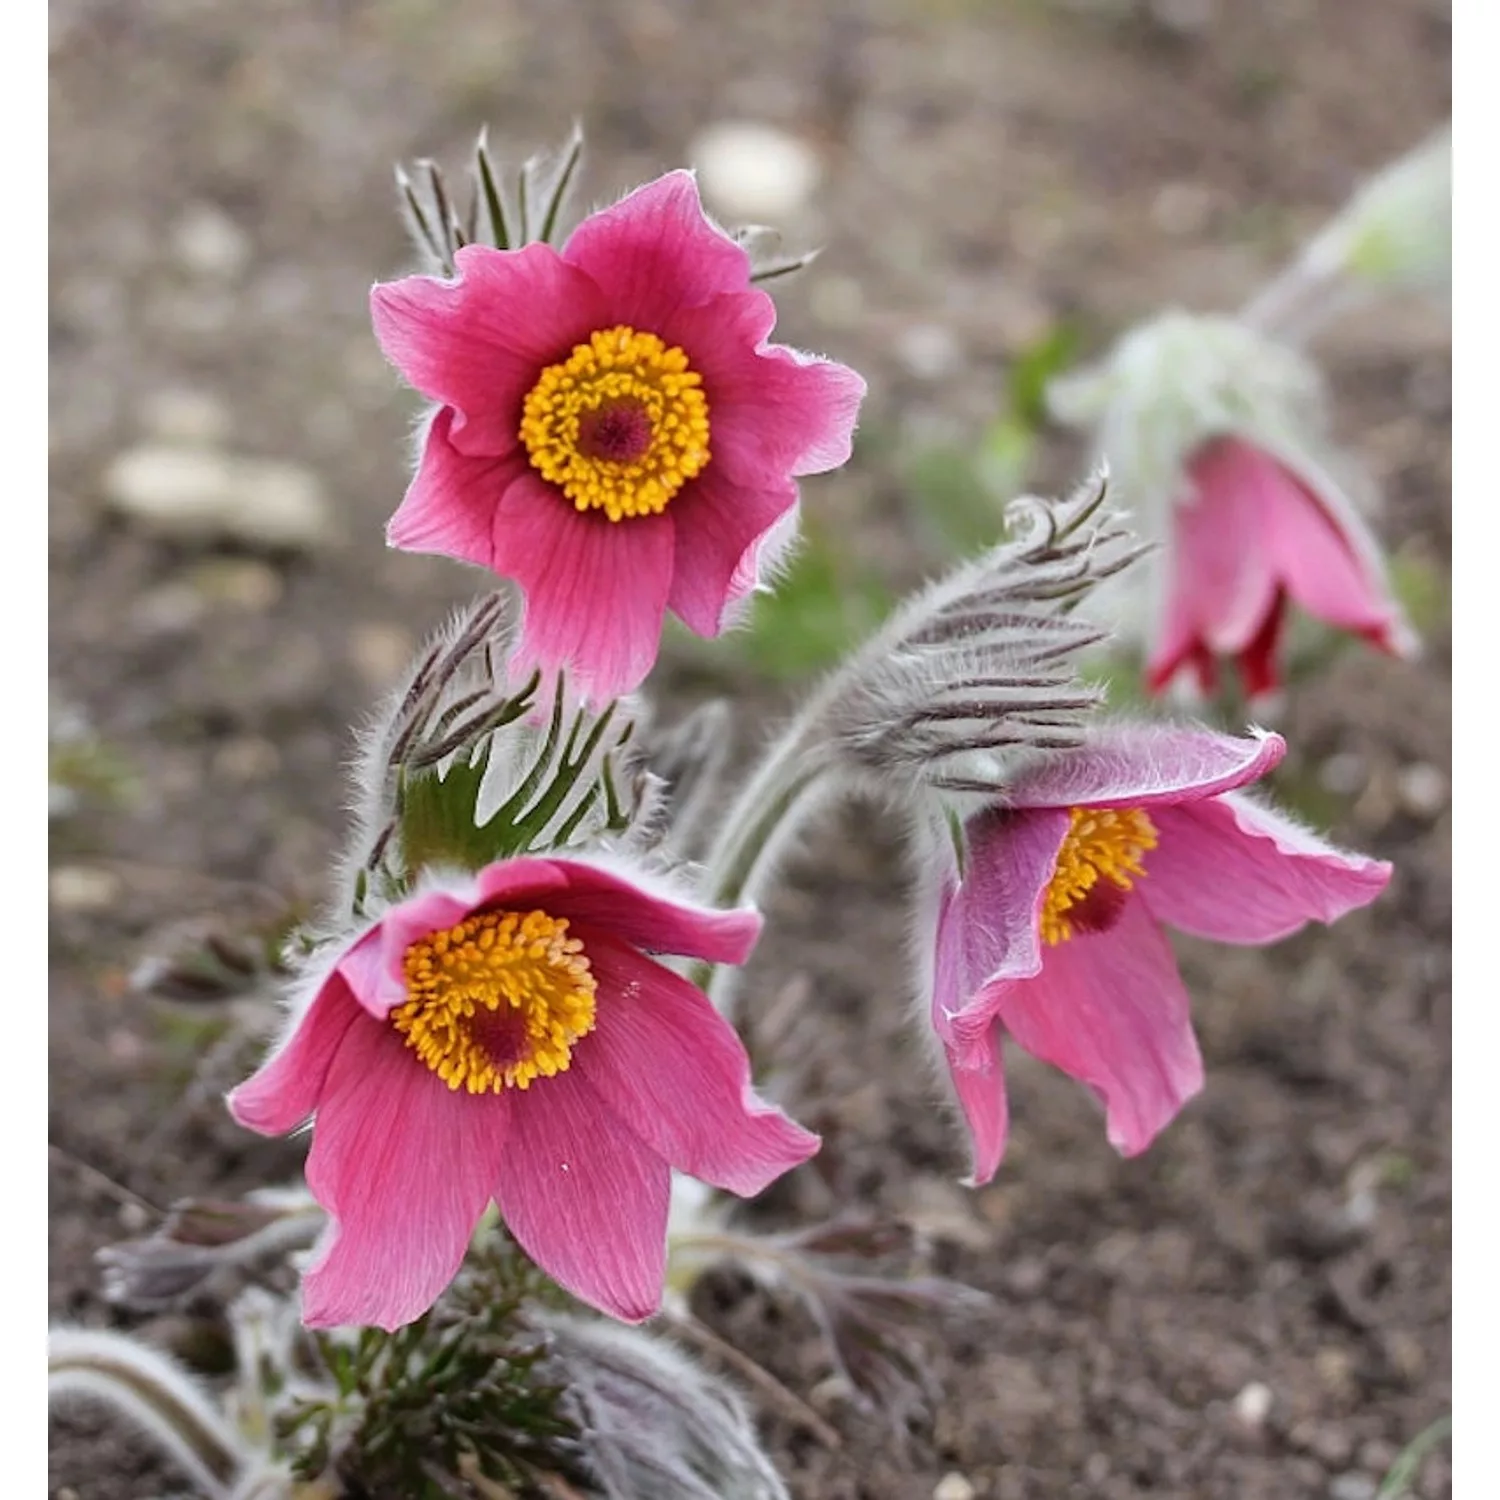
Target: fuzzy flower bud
[[980, 667], [653, 1422], [1218, 439], [464, 764]]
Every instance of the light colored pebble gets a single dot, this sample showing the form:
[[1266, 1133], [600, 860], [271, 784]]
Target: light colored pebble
[[1423, 790], [83, 888], [240, 582], [209, 243], [194, 493], [1253, 1404], [1352, 1487], [954, 1486], [1344, 773], [754, 171]]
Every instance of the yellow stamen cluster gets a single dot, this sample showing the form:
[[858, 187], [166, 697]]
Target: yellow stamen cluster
[[497, 1001], [651, 388], [1107, 842]]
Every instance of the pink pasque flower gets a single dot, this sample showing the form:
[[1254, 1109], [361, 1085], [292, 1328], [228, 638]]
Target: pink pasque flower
[[613, 430], [1053, 935], [506, 1038], [1249, 536]]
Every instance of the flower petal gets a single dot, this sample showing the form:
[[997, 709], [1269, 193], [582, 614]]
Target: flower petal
[[719, 526], [596, 590], [774, 412], [1110, 1010], [989, 928], [585, 1198], [1235, 871], [979, 1081], [284, 1091], [655, 252], [675, 1071], [478, 343], [1131, 765], [1222, 586], [452, 505], [629, 905], [1318, 563], [405, 1166]]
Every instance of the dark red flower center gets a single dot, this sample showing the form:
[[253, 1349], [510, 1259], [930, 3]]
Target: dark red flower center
[[619, 432]]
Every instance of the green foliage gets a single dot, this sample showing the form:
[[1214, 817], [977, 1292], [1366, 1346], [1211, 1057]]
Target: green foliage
[[1397, 1484], [825, 604], [1425, 590], [82, 769], [438, 810], [463, 1391], [961, 491]]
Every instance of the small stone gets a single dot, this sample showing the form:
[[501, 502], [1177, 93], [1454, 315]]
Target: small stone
[[1344, 773], [1335, 1367], [1253, 1405], [1352, 1486], [753, 171], [240, 582], [171, 609], [134, 1219], [381, 653], [209, 243], [929, 350], [83, 888], [1423, 790], [1026, 1276], [206, 494], [954, 1486], [189, 418]]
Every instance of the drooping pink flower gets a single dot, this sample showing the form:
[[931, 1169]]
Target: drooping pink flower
[[1054, 936], [1249, 538], [613, 430], [507, 1038]]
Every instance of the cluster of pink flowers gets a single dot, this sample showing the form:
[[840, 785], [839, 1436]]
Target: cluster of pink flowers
[[613, 433]]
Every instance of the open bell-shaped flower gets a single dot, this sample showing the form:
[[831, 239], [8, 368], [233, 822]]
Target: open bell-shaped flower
[[508, 1037], [1051, 935], [1217, 438]]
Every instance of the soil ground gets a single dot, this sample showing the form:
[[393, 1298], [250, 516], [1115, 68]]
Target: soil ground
[[989, 166]]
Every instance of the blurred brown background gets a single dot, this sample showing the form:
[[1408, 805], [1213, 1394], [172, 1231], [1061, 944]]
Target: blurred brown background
[[1257, 1308]]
